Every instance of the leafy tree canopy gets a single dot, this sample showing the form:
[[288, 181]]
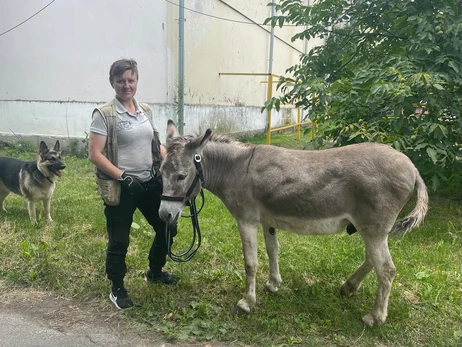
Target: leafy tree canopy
[[390, 71]]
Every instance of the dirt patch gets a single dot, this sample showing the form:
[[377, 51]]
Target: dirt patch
[[72, 317]]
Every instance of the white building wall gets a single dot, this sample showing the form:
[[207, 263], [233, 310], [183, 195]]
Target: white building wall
[[55, 66], [64, 53]]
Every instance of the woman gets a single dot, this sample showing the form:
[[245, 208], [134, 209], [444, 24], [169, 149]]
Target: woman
[[125, 148]]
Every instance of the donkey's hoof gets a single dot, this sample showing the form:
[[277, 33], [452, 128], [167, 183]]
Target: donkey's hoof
[[371, 320], [242, 306], [347, 289], [271, 288], [238, 311]]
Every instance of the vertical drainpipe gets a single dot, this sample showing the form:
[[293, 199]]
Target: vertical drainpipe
[[181, 68], [270, 77], [305, 46], [270, 66]]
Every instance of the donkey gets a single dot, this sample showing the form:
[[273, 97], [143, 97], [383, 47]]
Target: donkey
[[362, 187]]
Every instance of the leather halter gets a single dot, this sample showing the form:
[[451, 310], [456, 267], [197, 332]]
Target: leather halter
[[190, 252], [199, 176]]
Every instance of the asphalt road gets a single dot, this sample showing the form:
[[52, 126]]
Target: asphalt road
[[31, 318], [19, 331]]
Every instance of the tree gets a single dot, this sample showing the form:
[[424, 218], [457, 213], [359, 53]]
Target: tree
[[390, 71]]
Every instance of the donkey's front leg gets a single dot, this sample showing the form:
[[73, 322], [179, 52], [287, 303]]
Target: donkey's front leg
[[272, 249], [248, 233]]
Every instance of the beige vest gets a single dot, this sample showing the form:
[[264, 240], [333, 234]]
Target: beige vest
[[109, 114]]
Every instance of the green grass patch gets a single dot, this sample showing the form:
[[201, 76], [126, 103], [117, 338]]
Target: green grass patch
[[67, 258]]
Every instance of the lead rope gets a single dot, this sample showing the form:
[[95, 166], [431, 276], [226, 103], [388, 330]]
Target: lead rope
[[189, 253]]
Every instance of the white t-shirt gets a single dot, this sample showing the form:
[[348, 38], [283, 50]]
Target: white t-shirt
[[134, 139]]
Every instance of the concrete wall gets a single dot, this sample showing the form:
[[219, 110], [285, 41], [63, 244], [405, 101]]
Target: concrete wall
[[55, 66]]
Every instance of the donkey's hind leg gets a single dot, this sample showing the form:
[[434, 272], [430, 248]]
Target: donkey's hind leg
[[353, 282], [377, 249], [272, 249]]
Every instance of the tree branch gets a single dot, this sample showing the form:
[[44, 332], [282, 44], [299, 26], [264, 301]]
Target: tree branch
[[393, 36]]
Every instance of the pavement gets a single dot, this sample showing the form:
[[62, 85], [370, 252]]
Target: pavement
[[16, 330], [31, 318], [21, 328]]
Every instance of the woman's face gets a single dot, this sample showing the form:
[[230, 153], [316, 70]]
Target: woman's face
[[125, 85]]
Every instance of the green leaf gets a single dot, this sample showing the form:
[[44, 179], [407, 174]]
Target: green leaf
[[420, 146], [438, 86], [281, 21], [435, 182], [420, 275], [432, 154], [277, 104], [453, 65], [433, 127], [443, 130]]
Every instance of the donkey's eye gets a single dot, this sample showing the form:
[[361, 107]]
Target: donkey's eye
[[181, 177]]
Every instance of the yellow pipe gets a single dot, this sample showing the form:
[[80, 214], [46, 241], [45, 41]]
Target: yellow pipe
[[289, 126], [270, 82], [298, 122]]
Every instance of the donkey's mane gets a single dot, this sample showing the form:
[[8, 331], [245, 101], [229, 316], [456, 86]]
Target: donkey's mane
[[228, 139], [179, 141]]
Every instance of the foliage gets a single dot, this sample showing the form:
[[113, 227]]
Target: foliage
[[67, 258], [19, 149], [389, 71], [79, 147]]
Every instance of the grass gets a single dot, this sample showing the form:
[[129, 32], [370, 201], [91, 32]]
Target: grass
[[67, 258]]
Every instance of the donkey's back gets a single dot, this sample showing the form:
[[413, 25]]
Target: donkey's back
[[320, 192]]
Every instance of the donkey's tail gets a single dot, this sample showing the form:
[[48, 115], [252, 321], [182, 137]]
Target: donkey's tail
[[417, 215]]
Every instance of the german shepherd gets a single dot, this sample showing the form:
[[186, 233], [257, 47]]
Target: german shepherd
[[35, 180]]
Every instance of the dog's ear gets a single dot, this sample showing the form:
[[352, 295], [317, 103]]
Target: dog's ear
[[43, 148], [56, 148]]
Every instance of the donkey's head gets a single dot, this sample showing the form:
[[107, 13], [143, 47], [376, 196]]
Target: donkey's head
[[181, 171]]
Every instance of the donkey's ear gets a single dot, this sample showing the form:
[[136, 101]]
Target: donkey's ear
[[56, 147], [199, 142], [43, 148], [206, 136], [171, 129]]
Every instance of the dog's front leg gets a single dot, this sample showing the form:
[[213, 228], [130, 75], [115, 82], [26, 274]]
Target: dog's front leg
[[46, 206], [31, 210]]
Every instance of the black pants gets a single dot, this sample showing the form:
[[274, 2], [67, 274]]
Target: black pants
[[118, 223]]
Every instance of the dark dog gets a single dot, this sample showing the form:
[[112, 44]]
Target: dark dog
[[35, 180]]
